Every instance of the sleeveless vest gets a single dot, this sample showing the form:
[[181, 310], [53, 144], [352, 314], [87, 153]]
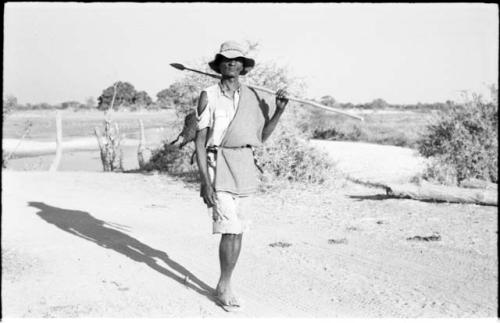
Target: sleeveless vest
[[236, 171]]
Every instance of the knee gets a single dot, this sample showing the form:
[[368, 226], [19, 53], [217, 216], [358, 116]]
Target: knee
[[232, 236]]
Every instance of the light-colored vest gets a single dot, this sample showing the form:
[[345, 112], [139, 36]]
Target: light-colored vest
[[236, 171]]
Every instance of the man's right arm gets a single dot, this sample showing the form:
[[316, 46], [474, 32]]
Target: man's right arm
[[207, 192]]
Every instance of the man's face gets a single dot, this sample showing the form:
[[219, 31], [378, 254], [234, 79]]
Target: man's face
[[231, 66]]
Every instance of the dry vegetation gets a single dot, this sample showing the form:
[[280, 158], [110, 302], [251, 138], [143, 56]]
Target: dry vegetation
[[287, 156], [398, 129], [463, 144], [82, 123]]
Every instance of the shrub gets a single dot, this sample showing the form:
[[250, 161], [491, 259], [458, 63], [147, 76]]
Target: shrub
[[110, 146], [174, 161], [436, 171], [288, 156], [352, 133], [465, 139]]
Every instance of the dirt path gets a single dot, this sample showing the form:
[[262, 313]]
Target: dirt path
[[90, 244]]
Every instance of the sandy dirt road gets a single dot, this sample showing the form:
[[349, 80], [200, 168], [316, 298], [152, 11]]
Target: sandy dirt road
[[372, 162], [89, 244]]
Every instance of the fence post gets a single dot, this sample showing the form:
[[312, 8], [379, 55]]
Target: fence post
[[141, 147], [57, 159]]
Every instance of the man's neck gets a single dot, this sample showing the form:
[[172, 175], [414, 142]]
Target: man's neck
[[231, 84]]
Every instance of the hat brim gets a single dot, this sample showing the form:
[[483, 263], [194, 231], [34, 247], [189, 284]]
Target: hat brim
[[248, 63]]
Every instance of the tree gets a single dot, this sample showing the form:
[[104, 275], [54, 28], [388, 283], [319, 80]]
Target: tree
[[328, 100], [347, 105], [378, 104], [142, 100], [253, 46], [71, 105], [125, 94], [90, 103], [182, 95], [9, 104], [42, 106], [274, 77], [163, 99]]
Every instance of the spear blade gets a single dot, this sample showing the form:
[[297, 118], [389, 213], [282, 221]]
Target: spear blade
[[178, 66], [184, 68]]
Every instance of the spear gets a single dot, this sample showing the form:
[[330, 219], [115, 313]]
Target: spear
[[311, 103]]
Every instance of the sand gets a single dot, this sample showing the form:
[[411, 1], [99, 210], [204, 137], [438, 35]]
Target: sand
[[93, 244], [372, 162], [79, 154]]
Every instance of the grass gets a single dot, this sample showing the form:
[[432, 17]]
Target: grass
[[396, 128], [81, 124]]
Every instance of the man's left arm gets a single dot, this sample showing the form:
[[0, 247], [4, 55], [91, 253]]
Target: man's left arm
[[281, 102]]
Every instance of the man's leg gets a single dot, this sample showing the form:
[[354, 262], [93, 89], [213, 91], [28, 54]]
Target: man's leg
[[229, 250]]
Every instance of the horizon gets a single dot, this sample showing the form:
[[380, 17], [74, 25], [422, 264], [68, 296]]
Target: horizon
[[401, 53]]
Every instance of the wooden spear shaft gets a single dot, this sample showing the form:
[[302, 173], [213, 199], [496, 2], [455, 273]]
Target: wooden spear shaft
[[314, 104], [256, 87]]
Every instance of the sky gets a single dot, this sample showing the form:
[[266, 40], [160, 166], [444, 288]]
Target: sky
[[403, 53]]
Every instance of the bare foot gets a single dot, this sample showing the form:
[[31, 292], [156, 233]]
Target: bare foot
[[225, 295]]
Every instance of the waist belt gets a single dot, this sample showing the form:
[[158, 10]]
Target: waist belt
[[213, 149]]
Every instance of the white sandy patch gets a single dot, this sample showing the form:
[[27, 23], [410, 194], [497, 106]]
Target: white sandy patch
[[372, 162], [33, 146]]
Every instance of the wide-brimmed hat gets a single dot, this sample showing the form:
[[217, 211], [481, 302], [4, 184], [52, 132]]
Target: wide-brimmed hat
[[232, 49]]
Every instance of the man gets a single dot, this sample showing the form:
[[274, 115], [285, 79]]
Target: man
[[232, 120]]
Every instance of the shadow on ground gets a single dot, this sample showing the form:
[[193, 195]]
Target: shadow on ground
[[104, 234], [380, 197]]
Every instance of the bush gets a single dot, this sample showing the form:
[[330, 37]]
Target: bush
[[174, 161], [287, 155], [342, 133], [438, 172], [464, 142]]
